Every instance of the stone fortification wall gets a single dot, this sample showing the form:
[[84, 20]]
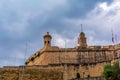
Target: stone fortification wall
[[62, 72], [78, 55], [86, 61], [30, 73], [54, 56], [51, 72]]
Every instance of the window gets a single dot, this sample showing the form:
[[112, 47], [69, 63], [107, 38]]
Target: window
[[45, 42]]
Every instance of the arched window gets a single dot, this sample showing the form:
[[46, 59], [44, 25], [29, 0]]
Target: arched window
[[48, 42], [45, 42]]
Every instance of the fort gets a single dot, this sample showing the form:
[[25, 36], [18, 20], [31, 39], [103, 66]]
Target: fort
[[88, 61]]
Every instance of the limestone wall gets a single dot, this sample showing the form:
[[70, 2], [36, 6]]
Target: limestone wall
[[86, 61], [54, 57], [59, 72], [82, 56], [30, 73]]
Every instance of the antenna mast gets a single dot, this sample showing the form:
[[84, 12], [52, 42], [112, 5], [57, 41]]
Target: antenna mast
[[81, 28]]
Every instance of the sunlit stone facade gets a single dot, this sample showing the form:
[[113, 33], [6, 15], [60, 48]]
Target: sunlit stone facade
[[83, 59]]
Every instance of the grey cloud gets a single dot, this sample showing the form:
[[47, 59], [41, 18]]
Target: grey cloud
[[36, 19]]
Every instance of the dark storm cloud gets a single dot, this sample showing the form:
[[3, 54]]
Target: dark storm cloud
[[79, 8], [25, 22], [55, 18]]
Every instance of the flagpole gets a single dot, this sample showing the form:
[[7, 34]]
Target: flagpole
[[65, 65], [65, 43], [15, 60], [23, 71], [113, 45], [116, 38], [81, 28]]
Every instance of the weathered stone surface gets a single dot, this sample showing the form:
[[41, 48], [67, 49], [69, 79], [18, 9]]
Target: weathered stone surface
[[30, 74], [54, 63], [89, 60]]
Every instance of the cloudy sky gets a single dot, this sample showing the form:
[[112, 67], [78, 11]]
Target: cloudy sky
[[26, 21]]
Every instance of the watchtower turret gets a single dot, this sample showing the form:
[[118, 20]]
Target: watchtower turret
[[82, 40], [47, 40]]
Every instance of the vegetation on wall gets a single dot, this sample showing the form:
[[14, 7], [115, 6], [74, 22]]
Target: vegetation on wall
[[112, 72]]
